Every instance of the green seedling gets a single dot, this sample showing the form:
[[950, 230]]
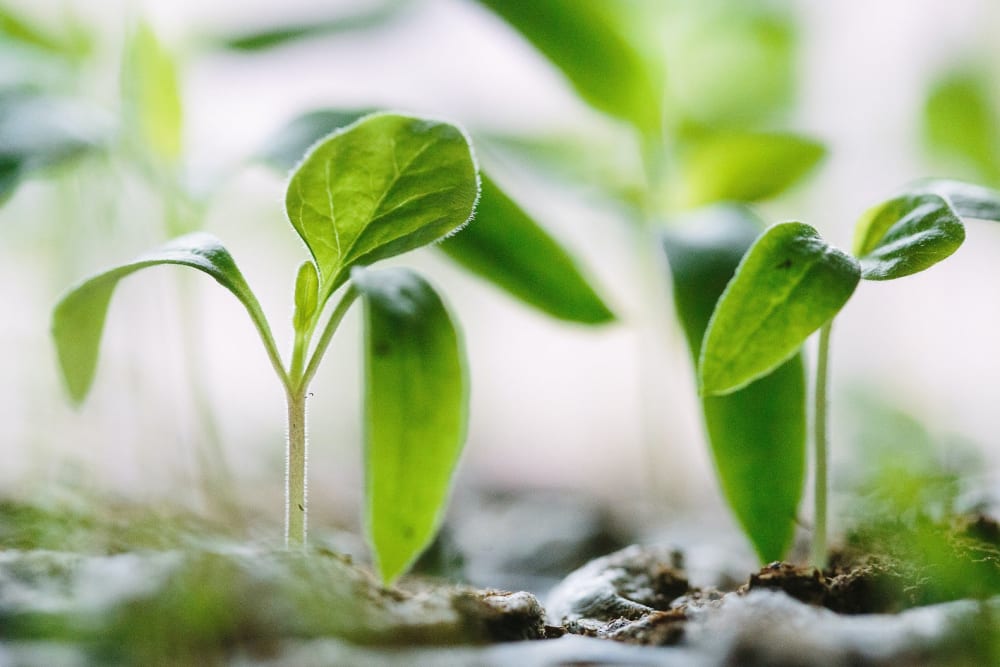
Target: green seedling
[[375, 189], [791, 283]]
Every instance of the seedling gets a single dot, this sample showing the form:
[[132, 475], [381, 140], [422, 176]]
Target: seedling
[[791, 283], [377, 188]]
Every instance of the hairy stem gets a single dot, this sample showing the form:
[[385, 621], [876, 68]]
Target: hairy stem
[[820, 448], [295, 471]]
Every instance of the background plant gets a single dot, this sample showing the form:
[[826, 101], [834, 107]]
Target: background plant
[[380, 187]]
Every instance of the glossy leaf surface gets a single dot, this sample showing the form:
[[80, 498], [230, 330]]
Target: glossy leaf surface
[[789, 284], [380, 187], [745, 166], [151, 95], [416, 406], [78, 319], [967, 199], [906, 235], [758, 433], [508, 248], [962, 122], [581, 38]]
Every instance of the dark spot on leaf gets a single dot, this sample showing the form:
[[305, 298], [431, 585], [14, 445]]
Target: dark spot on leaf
[[407, 532], [382, 348], [787, 264]]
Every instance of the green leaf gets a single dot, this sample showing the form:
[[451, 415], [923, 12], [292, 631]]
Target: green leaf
[[582, 39], [151, 95], [78, 318], [906, 235], [380, 187], [371, 16], [967, 199], [40, 131], [306, 295], [757, 434], [961, 122], [508, 248], [789, 284], [745, 166], [290, 143], [416, 407], [16, 30]]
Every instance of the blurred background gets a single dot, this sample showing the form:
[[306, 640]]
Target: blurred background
[[100, 160]]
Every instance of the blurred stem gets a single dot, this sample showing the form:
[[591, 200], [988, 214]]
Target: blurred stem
[[295, 471], [820, 448]]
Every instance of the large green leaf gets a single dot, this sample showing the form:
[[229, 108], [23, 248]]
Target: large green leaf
[[377, 188], [745, 166], [789, 284], [78, 319], [968, 200], [151, 97], [416, 406], [40, 131], [757, 434], [508, 248], [962, 122], [906, 235], [582, 39]]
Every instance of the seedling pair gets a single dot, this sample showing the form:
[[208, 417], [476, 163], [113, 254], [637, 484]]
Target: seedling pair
[[377, 188], [791, 283]]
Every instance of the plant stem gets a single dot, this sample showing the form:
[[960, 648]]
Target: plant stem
[[820, 448], [295, 471]]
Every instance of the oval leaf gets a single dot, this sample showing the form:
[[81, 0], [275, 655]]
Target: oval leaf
[[416, 407], [757, 434], [380, 187], [581, 39], [508, 248], [789, 284], [968, 200], [960, 122], [906, 235], [745, 166], [78, 318]]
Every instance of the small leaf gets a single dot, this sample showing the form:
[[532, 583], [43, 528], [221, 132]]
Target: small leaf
[[380, 187], [508, 248], [306, 295], [151, 95], [967, 199], [416, 406], [745, 166], [789, 284], [78, 318], [757, 434], [906, 235], [286, 147], [961, 122], [581, 38]]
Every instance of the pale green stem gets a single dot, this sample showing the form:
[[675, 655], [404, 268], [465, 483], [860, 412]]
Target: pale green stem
[[820, 448], [295, 472], [324, 340]]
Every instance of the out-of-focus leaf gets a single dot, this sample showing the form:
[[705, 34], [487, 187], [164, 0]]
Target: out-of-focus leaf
[[906, 235], [78, 318], [745, 166], [416, 407], [789, 284], [583, 39], [37, 132], [508, 248], [757, 434], [732, 63], [380, 187], [961, 123], [968, 200], [371, 16], [151, 95], [286, 147], [17, 30]]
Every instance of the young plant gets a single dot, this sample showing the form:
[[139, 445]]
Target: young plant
[[374, 189], [791, 283]]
